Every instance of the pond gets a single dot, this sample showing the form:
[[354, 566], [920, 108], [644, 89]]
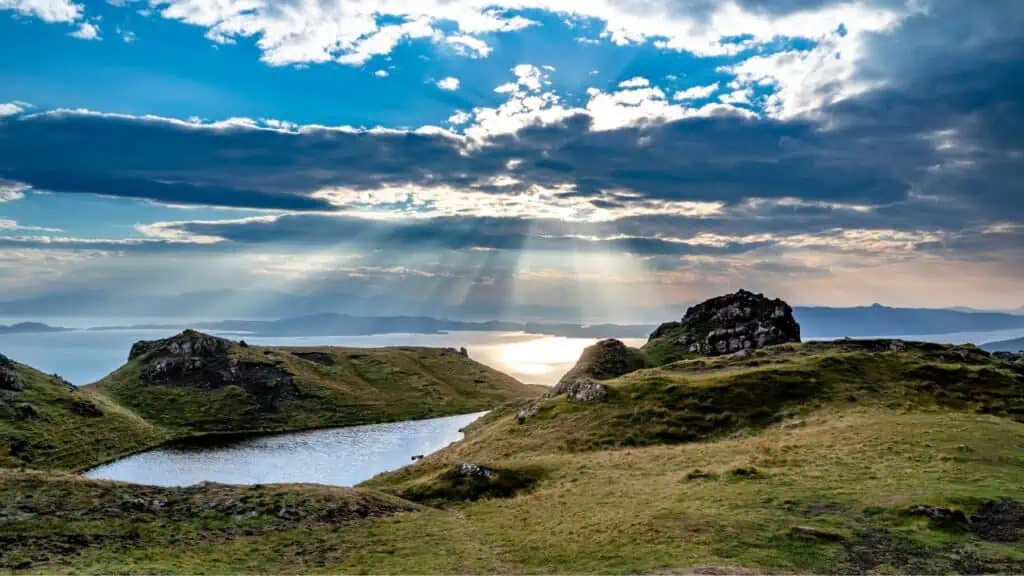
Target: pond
[[335, 456]]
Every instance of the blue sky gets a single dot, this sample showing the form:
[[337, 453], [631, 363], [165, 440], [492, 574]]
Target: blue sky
[[599, 160]]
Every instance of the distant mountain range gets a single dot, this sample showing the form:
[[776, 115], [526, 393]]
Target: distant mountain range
[[815, 322]]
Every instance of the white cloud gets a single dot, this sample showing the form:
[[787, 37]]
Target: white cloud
[[12, 108], [459, 117], [450, 84], [422, 202], [11, 192], [469, 46], [127, 36], [351, 31], [87, 31], [381, 73], [45, 10], [530, 104], [636, 82], [6, 224], [696, 92], [741, 96]]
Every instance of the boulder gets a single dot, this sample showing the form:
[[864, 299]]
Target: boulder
[[468, 470], [583, 390], [604, 360], [528, 411], [196, 360], [9, 379], [730, 324]]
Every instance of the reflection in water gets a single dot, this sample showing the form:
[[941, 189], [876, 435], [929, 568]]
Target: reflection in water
[[337, 456]]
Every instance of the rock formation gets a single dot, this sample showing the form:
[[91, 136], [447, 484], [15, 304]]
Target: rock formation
[[196, 360], [605, 360], [729, 324], [9, 379]]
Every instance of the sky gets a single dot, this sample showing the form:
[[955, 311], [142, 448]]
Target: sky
[[606, 160]]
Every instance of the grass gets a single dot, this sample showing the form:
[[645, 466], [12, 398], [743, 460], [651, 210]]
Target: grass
[[334, 387], [49, 424], [828, 448]]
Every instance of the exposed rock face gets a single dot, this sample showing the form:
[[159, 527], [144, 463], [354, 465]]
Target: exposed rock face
[[582, 390], [732, 323], [9, 379], [205, 362], [188, 343], [605, 360]]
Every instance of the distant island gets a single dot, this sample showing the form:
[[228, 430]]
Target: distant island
[[30, 327], [817, 323]]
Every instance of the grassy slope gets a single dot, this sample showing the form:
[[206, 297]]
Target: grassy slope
[[364, 385], [58, 436], [855, 442]]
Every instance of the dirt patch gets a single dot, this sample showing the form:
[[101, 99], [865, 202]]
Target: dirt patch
[[321, 358], [999, 521]]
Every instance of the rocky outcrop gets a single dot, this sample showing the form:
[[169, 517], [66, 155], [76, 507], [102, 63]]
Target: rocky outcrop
[[730, 324], [196, 360], [583, 390], [603, 361], [9, 379], [528, 411], [469, 470], [188, 343]]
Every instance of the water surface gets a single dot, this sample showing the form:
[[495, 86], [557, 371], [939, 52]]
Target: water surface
[[336, 456]]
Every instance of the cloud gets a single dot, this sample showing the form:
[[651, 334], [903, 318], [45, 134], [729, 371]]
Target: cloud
[[87, 31], [696, 92], [10, 192], [45, 10], [381, 73], [9, 225], [11, 108], [450, 84], [636, 82], [351, 32]]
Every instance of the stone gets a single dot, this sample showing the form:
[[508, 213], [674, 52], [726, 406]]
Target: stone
[[582, 390], [417, 457], [468, 470], [731, 323], [197, 360], [604, 360], [26, 412], [86, 408], [9, 380], [940, 517], [528, 411]]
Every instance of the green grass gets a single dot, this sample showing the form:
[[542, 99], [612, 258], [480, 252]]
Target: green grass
[[827, 449], [347, 386], [48, 424]]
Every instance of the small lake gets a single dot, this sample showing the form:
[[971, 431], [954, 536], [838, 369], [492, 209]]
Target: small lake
[[335, 456]]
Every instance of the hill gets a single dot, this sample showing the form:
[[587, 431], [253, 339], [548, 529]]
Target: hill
[[45, 422], [850, 456], [1015, 345], [194, 383]]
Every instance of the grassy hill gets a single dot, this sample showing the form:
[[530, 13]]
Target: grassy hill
[[195, 384], [45, 422], [230, 387], [845, 457]]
